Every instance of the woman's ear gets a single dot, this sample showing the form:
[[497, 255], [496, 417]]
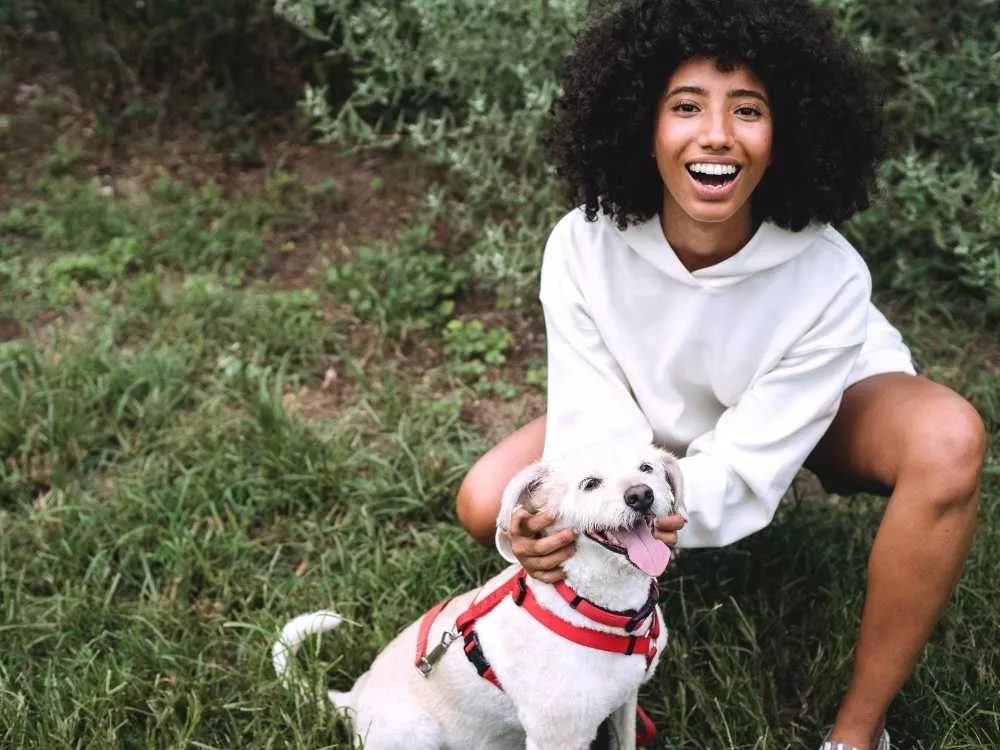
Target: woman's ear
[[522, 490], [675, 479]]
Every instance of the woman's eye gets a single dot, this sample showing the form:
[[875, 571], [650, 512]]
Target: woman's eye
[[646, 468], [748, 112], [685, 107], [590, 483]]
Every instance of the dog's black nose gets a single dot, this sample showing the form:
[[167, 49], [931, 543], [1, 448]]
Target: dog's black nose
[[639, 497]]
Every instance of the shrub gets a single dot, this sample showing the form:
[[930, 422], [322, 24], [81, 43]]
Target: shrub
[[148, 61], [937, 220], [471, 84]]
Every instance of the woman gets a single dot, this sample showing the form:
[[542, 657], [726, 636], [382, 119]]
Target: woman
[[699, 298]]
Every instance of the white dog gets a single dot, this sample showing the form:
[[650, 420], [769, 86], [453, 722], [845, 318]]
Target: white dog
[[556, 661]]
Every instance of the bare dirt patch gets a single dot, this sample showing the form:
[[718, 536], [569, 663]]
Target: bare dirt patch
[[373, 193], [497, 418], [370, 194], [312, 404], [10, 329]]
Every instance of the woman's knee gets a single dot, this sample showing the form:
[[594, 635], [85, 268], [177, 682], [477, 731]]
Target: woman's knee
[[900, 430], [946, 447], [478, 500]]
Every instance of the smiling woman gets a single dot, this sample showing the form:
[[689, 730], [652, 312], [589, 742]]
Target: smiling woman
[[712, 144], [787, 62], [699, 298]]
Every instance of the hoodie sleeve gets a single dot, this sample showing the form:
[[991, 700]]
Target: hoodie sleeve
[[588, 398], [736, 473]]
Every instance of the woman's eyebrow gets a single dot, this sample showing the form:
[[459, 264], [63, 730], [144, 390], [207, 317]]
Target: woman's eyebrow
[[731, 94], [737, 93], [687, 90]]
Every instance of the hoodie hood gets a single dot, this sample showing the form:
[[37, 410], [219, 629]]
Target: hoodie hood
[[770, 246]]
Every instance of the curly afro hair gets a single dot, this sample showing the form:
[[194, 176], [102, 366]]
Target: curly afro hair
[[828, 130]]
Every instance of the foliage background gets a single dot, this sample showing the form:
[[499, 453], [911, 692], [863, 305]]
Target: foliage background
[[267, 282], [478, 103]]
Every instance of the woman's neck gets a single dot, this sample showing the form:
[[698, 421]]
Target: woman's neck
[[702, 244]]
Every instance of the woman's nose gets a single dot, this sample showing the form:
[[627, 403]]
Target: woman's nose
[[716, 133]]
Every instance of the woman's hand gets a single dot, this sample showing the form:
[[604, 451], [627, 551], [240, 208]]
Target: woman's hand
[[666, 528], [541, 556]]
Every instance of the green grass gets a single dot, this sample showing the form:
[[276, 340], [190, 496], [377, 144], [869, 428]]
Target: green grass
[[164, 508]]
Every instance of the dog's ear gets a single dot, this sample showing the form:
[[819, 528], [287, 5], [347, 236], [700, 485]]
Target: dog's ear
[[522, 490], [672, 471]]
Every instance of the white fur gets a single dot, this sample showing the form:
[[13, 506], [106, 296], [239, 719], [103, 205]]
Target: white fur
[[556, 693]]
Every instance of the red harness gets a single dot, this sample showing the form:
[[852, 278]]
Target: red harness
[[516, 587]]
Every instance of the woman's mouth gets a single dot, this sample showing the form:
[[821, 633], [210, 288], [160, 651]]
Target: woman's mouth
[[713, 181]]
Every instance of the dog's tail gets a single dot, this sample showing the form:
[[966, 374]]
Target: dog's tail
[[292, 635]]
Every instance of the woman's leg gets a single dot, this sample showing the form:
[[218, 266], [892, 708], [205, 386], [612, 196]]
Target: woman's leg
[[479, 495], [927, 444]]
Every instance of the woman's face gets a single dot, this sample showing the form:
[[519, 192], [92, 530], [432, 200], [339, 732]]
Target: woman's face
[[712, 144]]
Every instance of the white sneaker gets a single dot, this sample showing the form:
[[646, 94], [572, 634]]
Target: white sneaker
[[883, 744]]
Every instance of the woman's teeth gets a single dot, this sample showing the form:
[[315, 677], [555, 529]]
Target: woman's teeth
[[713, 174], [713, 168]]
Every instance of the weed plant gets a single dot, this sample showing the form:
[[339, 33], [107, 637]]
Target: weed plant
[[474, 351], [401, 286]]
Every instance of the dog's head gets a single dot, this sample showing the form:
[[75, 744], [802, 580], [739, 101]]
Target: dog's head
[[610, 493]]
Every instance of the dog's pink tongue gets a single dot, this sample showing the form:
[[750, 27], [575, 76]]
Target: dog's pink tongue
[[644, 550]]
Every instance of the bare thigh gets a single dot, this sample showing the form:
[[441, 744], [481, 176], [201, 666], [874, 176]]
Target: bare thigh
[[881, 421]]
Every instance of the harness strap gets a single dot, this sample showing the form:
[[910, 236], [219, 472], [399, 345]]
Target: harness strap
[[597, 639], [468, 618], [474, 653], [516, 586], [630, 619], [466, 622]]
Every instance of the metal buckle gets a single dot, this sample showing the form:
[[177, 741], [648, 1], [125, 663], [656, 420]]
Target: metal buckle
[[427, 663]]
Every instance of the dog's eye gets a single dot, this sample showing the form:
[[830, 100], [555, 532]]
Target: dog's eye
[[590, 483], [646, 468]]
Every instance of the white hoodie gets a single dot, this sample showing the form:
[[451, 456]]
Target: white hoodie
[[739, 367]]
